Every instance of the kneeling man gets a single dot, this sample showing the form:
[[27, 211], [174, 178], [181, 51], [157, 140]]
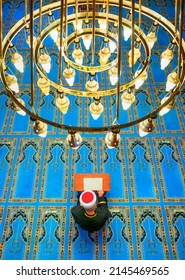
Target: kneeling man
[[91, 211]]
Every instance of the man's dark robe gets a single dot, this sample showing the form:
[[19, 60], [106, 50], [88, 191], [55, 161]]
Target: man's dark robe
[[94, 222]]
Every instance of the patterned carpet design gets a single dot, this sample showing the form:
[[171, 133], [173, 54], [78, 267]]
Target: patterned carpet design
[[147, 195]]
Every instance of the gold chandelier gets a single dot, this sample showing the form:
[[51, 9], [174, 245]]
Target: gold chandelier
[[75, 28]]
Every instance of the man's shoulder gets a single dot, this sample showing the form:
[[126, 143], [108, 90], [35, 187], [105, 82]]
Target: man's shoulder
[[77, 209], [103, 211], [102, 199]]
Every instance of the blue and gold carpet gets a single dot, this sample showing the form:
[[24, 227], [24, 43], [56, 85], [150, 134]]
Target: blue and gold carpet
[[147, 196]]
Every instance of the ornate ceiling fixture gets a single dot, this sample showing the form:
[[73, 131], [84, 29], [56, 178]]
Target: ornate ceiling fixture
[[89, 37]]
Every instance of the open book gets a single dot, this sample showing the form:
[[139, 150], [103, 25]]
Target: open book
[[93, 184]]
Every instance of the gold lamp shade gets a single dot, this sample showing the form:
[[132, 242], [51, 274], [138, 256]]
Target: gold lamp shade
[[73, 140], [172, 81], [62, 102], [137, 55], [69, 75], [78, 55], [92, 85], [112, 139], [96, 109], [146, 127], [87, 41], [143, 77], [11, 81], [104, 54], [45, 61], [40, 128], [44, 85], [166, 57], [113, 74], [152, 38], [17, 60], [127, 98]]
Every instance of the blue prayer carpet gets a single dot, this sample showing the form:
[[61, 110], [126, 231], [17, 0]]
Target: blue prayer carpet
[[147, 193]]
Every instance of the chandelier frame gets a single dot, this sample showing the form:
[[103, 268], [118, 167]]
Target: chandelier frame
[[28, 20]]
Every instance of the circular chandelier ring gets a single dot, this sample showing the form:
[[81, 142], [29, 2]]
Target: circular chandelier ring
[[34, 116], [140, 34], [162, 21]]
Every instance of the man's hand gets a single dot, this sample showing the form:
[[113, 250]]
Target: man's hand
[[100, 192]]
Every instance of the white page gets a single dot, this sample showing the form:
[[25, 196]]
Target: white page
[[93, 184]]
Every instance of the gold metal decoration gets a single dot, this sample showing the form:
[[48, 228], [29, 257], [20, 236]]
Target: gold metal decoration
[[69, 75], [146, 127], [40, 128], [73, 139], [44, 85], [45, 61], [92, 85], [11, 82], [112, 139], [62, 102], [96, 108], [172, 81], [113, 74], [75, 58], [166, 57], [128, 98]]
